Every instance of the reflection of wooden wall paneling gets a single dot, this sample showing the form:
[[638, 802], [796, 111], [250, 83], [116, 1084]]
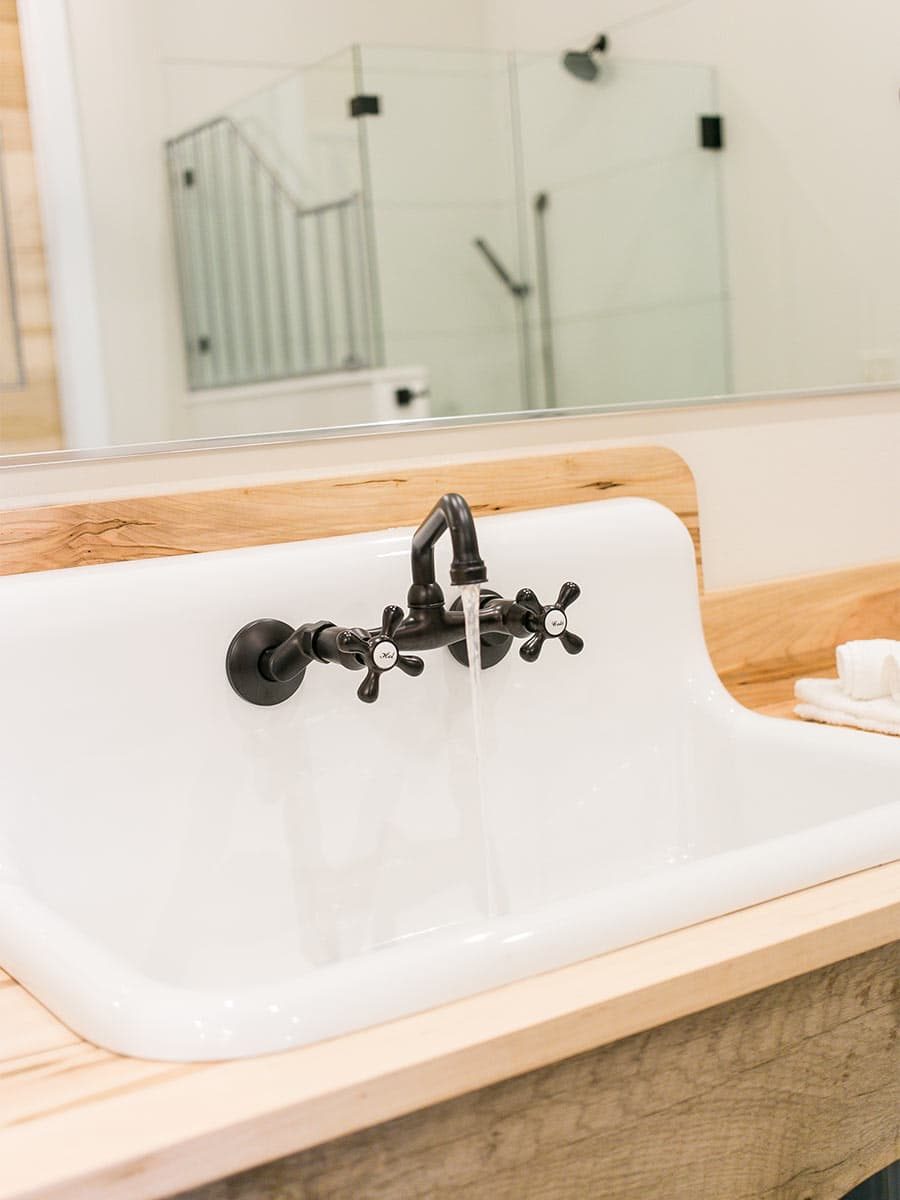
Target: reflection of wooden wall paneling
[[153, 526], [29, 416]]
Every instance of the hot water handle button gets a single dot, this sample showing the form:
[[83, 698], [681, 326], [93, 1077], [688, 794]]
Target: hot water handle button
[[379, 653], [555, 622], [549, 621]]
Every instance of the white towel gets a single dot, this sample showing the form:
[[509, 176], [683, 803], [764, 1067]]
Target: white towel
[[892, 671], [824, 700], [864, 667]]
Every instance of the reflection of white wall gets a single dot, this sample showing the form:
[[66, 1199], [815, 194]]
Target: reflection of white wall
[[338, 399], [119, 90], [811, 180]]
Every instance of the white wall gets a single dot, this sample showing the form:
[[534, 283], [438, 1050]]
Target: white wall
[[811, 173]]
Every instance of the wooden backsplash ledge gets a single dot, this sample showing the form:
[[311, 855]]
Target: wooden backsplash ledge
[[760, 637], [105, 531], [763, 637]]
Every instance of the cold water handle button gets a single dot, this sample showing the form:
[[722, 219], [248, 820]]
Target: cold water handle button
[[378, 652], [549, 621]]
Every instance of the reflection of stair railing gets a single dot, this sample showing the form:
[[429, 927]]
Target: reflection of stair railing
[[12, 364], [269, 288]]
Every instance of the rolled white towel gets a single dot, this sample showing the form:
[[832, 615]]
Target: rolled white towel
[[893, 676], [824, 700], [864, 667]]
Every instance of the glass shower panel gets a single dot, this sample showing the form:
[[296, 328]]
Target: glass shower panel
[[267, 205], [625, 211], [442, 176]]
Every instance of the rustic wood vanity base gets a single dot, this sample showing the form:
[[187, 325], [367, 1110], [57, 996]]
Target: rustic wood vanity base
[[791, 1093]]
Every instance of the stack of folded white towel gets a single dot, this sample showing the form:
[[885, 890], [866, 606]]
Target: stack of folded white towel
[[866, 693]]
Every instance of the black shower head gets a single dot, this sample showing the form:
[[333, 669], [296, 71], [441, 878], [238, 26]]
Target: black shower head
[[582, 63]]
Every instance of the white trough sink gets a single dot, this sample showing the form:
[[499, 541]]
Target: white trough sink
[[184, 875]]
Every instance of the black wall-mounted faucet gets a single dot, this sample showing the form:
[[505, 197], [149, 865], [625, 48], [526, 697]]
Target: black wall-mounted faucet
[[267, 660]]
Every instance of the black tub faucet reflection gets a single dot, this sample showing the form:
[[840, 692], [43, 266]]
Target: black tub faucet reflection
[[267, 660]]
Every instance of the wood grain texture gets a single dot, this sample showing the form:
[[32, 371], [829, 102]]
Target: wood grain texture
[[29, 415], [761, 638], [155, 526], [789, 1092], [76, 1121]]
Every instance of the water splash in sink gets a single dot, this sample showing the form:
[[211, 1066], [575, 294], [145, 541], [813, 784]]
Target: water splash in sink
[[470, 594]]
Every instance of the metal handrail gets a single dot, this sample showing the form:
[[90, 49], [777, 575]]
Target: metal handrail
[[236, 131], [262, 162]]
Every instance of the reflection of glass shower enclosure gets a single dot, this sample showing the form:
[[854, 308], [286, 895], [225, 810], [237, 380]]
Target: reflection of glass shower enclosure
[[444, 172], [628, 202], [271, 287], [530, 238], [270, 238]]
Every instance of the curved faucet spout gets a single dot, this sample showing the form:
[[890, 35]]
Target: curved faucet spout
[[451, 513]]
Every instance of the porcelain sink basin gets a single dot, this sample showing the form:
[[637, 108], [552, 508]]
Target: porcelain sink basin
[[187, 876]]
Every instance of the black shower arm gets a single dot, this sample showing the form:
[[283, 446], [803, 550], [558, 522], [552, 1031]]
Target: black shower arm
[[518, 289]]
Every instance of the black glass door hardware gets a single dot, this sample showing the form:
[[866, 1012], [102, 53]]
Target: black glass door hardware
[[712, 131], [365, 106]]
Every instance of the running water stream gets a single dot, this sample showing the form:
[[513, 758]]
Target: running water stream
[[471, 602]]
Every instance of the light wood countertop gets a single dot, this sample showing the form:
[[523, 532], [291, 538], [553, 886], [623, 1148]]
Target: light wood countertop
[[77, 1121]]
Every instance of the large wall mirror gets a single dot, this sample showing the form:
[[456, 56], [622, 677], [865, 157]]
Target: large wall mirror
[[290, 215]]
